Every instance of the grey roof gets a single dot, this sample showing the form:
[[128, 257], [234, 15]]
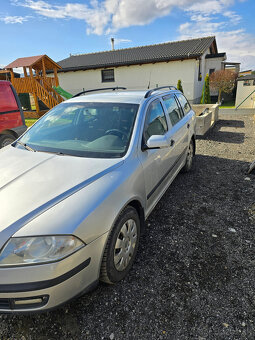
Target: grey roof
[[177, 50], [248, 77]]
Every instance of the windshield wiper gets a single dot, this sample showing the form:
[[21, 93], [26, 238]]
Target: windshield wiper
[[25, 146]]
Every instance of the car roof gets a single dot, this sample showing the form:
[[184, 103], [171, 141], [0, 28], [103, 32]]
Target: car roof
[[132, 97]]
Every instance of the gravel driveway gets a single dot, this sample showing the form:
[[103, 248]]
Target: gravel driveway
[[194, 277]]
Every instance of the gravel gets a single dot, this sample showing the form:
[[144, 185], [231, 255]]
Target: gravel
[[194, 277]]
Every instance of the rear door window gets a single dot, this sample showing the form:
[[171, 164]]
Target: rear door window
[[173, 110], [7, 99], [184, 103]]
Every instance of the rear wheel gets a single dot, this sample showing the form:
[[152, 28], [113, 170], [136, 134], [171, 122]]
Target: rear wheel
[[6, 140], [121, 247], [190, 156]]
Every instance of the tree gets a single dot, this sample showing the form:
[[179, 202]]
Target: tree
[[179, 85], [206, 98], [223, 81]]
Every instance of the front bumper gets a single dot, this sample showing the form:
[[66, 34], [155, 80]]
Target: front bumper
[[44, 287]]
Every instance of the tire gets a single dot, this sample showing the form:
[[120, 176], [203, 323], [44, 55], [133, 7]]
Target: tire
[[121, 248], [190, 156], [6, 140]]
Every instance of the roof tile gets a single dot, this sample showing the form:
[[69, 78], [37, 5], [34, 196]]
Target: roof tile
[[184, 49]]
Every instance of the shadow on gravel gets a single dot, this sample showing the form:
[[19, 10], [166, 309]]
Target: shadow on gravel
[[194, 273], [233, 137], [232, 123]]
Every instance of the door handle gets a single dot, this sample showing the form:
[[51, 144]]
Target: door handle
[[172, 142], [188, 125]]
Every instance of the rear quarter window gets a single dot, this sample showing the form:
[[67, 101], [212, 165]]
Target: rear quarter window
[[184, 103], [173, 109], [7, 99]]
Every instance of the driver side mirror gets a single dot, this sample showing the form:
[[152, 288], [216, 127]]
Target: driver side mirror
[[157, 142]]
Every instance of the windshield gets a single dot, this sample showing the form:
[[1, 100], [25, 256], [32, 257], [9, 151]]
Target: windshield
[[98, 130]]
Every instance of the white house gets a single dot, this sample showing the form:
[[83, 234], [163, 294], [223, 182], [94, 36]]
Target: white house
[[245, 94], [144, 67]]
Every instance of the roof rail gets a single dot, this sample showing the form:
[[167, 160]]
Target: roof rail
[[149, 93], [94, 90]]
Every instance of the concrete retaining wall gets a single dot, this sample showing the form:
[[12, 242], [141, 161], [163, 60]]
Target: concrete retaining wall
[[208, 119], [238, 111]]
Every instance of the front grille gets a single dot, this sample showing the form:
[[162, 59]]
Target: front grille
[[5, 304]]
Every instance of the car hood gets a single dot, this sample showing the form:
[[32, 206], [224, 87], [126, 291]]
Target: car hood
[[33, 182]]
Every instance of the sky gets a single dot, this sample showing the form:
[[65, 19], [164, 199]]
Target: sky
[[59, 28]]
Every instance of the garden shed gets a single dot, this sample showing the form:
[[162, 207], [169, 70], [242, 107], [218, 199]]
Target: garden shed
[[245, 94]]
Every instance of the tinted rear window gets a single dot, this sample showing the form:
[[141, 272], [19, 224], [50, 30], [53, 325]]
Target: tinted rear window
[[7, 99]]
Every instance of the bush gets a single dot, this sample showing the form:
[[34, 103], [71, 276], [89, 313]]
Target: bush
[[179, 86], [206, 98], [223, 81]]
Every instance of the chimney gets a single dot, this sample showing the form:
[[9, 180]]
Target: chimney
[[112, 41]]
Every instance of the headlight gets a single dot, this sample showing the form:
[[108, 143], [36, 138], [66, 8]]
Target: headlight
[[36, 250]]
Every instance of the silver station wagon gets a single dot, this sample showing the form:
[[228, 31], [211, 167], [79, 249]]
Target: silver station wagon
[[77, 188]]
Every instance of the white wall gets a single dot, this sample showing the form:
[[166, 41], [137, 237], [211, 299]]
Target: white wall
[[215, 63], [243, 92], [135, 77], [206, 65], [198, 84]]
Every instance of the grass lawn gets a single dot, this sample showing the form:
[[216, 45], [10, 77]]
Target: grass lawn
[[228, 105], [30, 122]]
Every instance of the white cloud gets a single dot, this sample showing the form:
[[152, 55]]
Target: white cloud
[[96, 16], [107, 15], [210, 6], [239, 46], [236, 42], [233, 17], [118, 41], [14, 19]]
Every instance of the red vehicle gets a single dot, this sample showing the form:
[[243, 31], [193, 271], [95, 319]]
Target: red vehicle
[[12, 122]]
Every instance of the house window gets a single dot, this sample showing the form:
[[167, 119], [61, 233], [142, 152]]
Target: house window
[[211, 70], [107, 75], [246, 83]]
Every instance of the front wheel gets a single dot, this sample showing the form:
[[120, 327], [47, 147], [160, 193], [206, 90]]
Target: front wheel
[[121, 247], [190, 156]]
